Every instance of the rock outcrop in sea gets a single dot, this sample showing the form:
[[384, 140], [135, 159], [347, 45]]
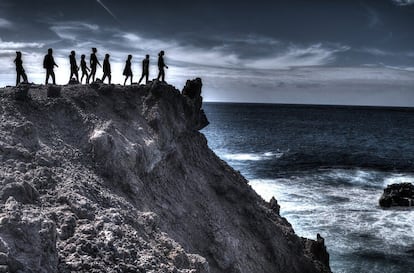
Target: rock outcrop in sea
[[401, 195], [104, 178]]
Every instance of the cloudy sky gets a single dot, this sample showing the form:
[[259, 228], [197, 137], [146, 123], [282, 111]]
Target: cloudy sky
[[282, 51]]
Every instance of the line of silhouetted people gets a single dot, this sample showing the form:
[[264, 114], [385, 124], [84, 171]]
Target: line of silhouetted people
[[49, 64]]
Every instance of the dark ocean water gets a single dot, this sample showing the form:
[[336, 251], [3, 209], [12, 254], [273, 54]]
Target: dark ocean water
[[327, 167]]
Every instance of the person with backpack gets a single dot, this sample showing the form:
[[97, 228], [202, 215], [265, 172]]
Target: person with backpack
[[19, 68], [49, 64]]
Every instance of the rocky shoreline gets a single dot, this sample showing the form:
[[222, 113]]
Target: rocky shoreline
[[398, 195], [105, 178]]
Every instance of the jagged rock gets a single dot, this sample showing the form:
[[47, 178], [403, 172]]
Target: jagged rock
[[53, 91], [192, 88], [317, 250], [274, 206], [398, 195], [192, 93], [121, 180], [22, 92], [22, 192]]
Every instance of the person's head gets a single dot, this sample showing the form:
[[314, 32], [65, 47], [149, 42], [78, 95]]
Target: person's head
[[83, 56], [129, 57], [162, 53], [18, 54], [147, 56], [94, 50], [72, 53], [50, 51], [106, 56]]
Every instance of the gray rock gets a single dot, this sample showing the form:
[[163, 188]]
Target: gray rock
[[22, 92], [119, 179], [54, 91], [23, 192], [401, 195], [4, 259]]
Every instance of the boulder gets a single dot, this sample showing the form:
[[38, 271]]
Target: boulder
[[398, 195]]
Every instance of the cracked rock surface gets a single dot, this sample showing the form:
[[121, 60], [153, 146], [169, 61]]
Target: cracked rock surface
[[104, 178]]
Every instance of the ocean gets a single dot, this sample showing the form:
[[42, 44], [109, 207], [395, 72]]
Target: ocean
[[327, 166]]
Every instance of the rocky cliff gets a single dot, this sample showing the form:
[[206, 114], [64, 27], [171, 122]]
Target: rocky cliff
[[104, 178]]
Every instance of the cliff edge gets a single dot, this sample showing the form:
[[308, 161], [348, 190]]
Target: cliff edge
[[104, 178]]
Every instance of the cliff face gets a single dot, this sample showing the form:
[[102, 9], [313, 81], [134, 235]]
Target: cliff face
[[118, 179]]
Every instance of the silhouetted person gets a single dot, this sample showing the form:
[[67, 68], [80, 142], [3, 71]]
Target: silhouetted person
[[19, 68], [145, 69], [49, 64], [106, 69], [84, 68], [94, 62], [161, 65], [73, 66], [127, 70]]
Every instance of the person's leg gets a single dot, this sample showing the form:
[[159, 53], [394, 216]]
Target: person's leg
[[53, 77], [83, 75], [131, 78], [24, 77], [17, 78], [109, 78], [87, 77], [126, 78], [163, 75], [93, 73], [77, 75], [47, 76], [142, 76], [104, 77], [146, 78]]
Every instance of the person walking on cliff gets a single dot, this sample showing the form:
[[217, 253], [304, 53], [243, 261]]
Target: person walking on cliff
[[127, 70], [49, 64], [161, 66], [106, 69], [73, 66], [84, 68], [19, 68], [94, 62], [145, 69]]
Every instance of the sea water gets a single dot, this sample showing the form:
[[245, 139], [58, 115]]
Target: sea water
[[327, 166]]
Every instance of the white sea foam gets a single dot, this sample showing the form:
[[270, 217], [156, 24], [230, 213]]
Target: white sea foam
[[349, 217], [398, 178], [251, 156]]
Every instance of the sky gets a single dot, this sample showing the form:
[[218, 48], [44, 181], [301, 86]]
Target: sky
[[281, 51]]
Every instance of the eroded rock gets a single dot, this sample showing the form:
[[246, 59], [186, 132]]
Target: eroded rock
[[398, 195]]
